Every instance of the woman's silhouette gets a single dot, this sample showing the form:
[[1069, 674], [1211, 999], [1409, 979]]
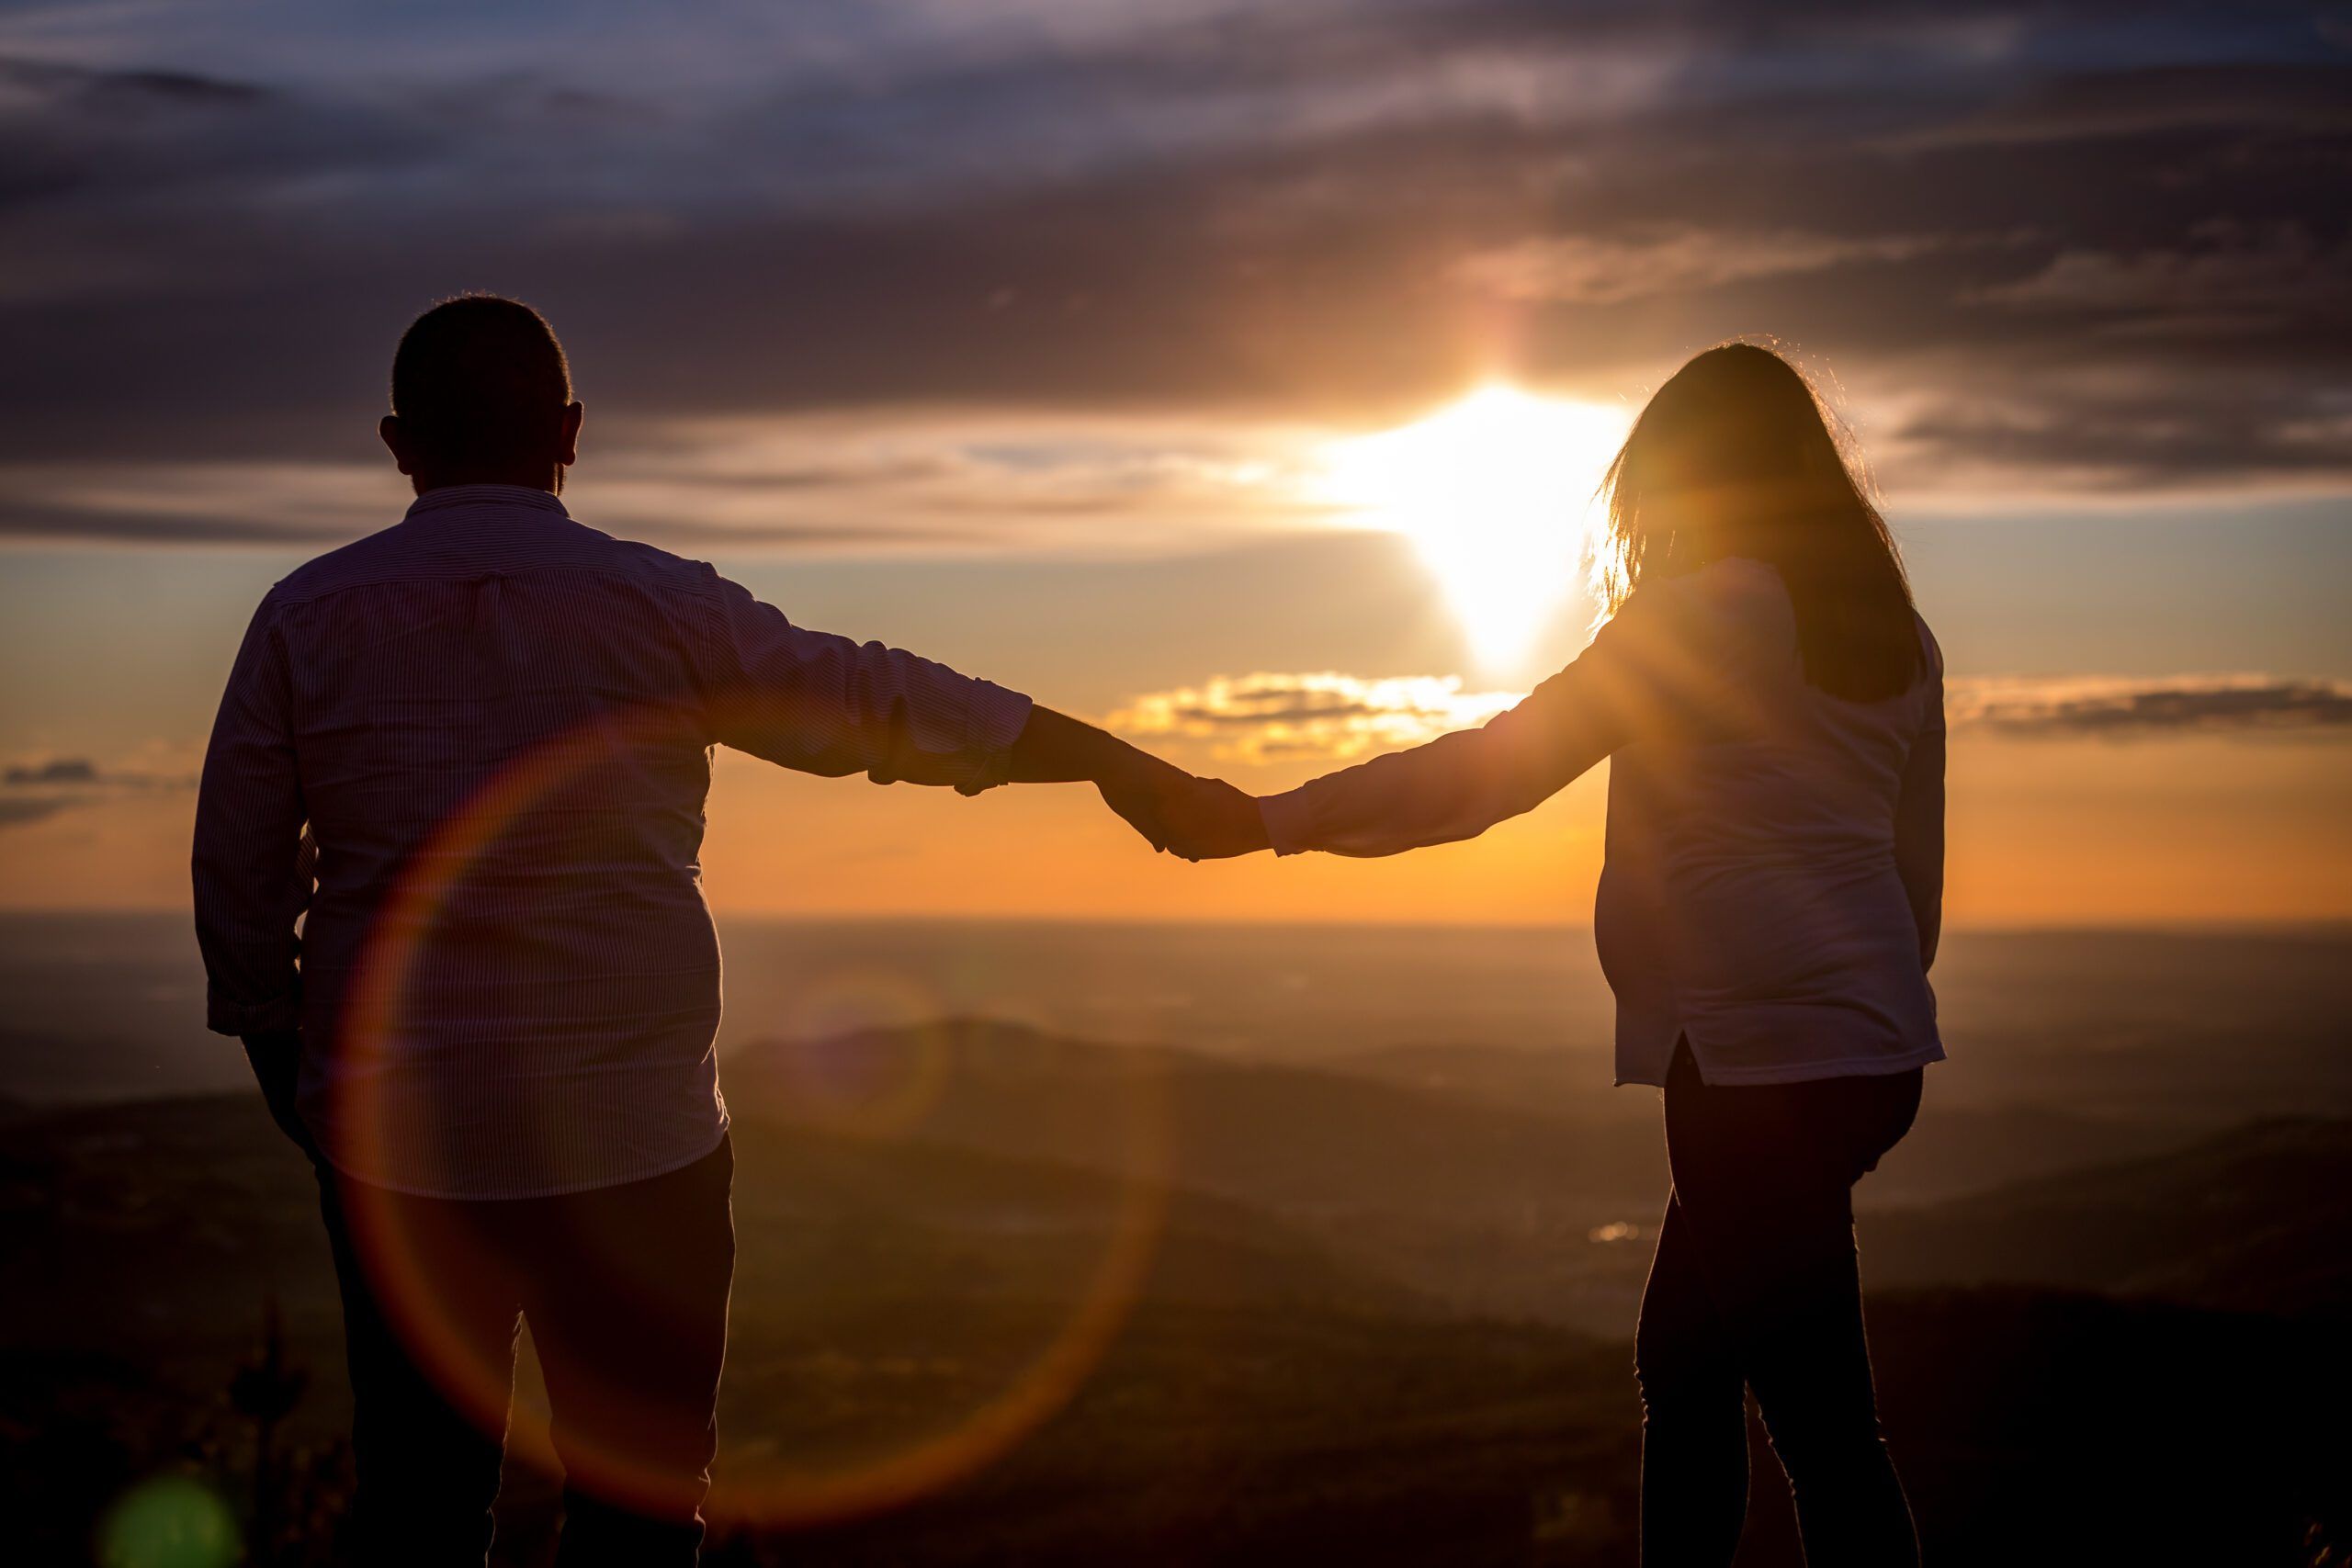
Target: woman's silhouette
[[1768, 912]]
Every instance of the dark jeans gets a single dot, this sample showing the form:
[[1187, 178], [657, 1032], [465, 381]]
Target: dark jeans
[[626, 1290], [1756, 1287]]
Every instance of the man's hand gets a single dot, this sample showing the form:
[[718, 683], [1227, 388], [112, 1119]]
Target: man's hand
[[277, 1061]]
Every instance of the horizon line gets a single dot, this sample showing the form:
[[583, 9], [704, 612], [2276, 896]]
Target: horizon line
[[2280, 925]]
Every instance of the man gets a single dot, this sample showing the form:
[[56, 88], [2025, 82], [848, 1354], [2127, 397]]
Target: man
[[468, 754]]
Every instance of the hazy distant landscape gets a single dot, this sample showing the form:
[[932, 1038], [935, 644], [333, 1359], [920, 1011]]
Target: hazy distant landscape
[[1398, 1225], [1261, 383]]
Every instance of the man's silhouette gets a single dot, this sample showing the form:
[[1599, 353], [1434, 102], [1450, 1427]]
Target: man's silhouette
[[468, 754]]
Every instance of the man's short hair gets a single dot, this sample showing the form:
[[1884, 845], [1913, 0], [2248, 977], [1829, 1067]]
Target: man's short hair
[[481, 380]]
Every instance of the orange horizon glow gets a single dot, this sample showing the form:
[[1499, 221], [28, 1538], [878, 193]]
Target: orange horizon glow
[[2194, 830]]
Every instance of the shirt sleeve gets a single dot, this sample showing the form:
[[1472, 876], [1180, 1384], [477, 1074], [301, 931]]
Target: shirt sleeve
[[822, 704], [1459, 785], [1919, 814], [251, 864]]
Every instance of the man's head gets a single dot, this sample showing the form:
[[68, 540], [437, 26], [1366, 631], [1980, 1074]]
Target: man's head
[[481, 395]]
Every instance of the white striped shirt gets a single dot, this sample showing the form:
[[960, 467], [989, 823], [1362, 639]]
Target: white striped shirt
[[495, 724], [1773, 877]]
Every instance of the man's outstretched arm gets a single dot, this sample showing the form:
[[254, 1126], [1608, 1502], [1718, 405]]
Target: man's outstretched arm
[[822, 704]]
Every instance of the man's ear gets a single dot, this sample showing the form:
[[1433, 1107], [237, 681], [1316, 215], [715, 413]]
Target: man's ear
[[569, 453], [388, 427]]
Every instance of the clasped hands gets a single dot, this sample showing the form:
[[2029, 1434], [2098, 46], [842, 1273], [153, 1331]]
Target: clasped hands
[[1195, 819]]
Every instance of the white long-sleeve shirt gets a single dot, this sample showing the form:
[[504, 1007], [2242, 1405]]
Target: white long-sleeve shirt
[[1773, 873], [496, 724]]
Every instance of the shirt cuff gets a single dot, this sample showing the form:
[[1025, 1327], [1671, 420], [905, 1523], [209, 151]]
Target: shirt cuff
[[278, 1015], [1289, 819], [998, 718]]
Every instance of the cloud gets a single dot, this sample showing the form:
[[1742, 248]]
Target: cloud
[[1592, 270], [1324, 715], [1330, 717], [2236, 95], [2122, 706], [80, 772], [214, 223], [939, 481], [58, 771], [2244, 434], [2226, 277], [36, 791]]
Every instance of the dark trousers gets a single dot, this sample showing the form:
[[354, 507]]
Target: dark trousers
[[625, 1291], [1756, 1287]]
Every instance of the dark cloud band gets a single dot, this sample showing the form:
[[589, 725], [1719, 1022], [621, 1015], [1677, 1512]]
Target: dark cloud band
[[2068, 246], [2231, 705], [1335, 716]]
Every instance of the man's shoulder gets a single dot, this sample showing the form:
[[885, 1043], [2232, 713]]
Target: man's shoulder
[[661, 567], [338, 568], [398, 553]]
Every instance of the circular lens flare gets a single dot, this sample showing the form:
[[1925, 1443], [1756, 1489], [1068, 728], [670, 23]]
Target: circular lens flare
[[1494, 492], [753, 1487]]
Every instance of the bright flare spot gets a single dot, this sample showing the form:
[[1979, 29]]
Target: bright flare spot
[[169, 1522], [1494, 492]]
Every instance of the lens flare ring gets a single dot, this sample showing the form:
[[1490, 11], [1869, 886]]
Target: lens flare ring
[[768, 1491]]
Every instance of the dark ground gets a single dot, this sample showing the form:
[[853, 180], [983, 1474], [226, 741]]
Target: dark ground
[[2145, 1361]]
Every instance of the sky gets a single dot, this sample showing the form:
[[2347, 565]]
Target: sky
[[1235, 375]]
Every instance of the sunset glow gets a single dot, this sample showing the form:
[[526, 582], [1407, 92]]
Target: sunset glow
[[1494, 492], [922, 723], [1261, 418]]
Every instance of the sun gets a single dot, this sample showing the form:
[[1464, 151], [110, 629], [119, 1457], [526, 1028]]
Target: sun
[[1494, 492]]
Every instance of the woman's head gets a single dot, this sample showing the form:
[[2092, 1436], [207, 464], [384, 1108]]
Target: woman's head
[[1735, 455]]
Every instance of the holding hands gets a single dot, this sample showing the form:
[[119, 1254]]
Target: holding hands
[[1196, 819]]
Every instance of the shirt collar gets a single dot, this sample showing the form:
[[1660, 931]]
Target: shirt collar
[[449, 497]]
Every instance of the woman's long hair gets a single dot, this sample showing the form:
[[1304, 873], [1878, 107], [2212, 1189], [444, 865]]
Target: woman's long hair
[[1734, 456]]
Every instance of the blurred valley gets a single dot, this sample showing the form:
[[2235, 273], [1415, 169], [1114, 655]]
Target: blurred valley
[[1362, 1223]]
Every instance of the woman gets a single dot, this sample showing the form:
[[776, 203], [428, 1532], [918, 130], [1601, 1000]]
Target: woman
[[1773, 707]]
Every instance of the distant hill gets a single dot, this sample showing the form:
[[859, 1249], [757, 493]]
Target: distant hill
[[1467, 1174], [1283, 1136], [1955, 1148], [1486, 1208], [154, 1228], [1268, 1399], [2258, 1219]]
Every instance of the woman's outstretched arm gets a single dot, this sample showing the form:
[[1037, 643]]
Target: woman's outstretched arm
[[1459, 785]]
